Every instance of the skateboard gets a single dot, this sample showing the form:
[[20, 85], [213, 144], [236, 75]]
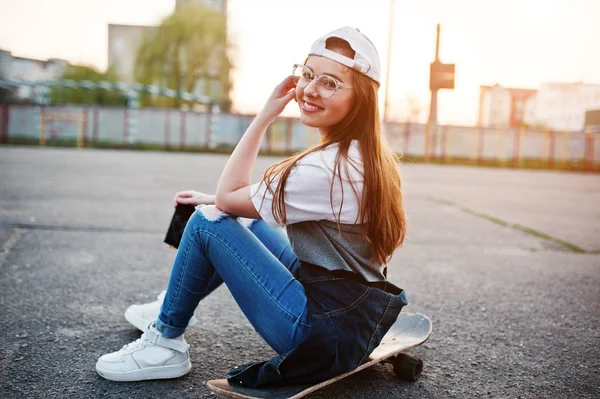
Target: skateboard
[[409, 330]]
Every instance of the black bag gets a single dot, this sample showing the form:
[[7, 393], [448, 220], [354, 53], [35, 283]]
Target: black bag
[[180, 217]]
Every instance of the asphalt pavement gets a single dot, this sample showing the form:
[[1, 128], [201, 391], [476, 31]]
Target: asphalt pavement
[[505, 262]]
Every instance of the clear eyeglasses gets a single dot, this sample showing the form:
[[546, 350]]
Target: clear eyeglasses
[[327, 86]]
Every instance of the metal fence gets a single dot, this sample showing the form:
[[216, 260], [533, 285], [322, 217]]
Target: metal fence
[[175, 129]]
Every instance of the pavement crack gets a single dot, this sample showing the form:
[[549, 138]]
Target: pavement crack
[[570, 246]]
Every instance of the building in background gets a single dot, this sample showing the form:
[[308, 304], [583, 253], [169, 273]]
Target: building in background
[[554, 106], [123, 42], [562, 106], [29, 69], [505, 107]]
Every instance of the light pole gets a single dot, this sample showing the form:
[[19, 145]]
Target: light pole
[[389, 58], [441, 76], [434, 91]]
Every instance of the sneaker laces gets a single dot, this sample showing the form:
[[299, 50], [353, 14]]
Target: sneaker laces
[[133, 346], [140, 342]]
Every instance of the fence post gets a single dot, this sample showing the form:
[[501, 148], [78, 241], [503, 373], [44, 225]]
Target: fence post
[[565, 147], [445, 144], [480, 147], [588, 154], [85, 129], [132, 114], [208, 127], [288, 135], [426, 139], [4, 123], [552, 148], [434, 142], [96, 122], [126, 127], [167, 129], [406, 137], [182, 129], [522, 133], [42, 126], [215, 115], [81, 131], [516, 146]]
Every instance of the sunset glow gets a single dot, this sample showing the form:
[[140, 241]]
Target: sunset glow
[[516, 43]]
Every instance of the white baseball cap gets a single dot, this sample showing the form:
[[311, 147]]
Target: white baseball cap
[[366, 59]]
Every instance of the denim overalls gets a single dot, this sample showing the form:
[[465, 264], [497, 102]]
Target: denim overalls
[[348, 320]]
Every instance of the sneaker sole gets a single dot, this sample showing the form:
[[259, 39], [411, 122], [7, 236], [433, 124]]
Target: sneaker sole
[[141, 324], [150, 373]]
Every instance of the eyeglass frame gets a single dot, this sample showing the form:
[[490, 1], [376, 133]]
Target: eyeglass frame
[[338, 84]]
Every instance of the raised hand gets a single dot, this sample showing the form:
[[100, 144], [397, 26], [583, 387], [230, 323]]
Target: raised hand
[[281, 96], [191, 197]]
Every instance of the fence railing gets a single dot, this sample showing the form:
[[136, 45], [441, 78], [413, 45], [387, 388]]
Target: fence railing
[[175, 129]]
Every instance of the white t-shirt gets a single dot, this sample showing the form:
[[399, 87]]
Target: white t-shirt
[[307, 190]]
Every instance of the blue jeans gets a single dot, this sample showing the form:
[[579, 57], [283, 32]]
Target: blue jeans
[[256, 263]]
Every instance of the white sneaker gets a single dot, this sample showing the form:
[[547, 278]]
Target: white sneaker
[[142, 315], [150, 357]]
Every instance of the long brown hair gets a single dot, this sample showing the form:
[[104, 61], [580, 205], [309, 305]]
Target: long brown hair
[[381, 205]]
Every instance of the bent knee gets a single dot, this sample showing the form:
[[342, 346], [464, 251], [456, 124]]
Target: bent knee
[[211, 213]]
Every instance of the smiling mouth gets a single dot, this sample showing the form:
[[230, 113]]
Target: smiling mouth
[[310, 107]]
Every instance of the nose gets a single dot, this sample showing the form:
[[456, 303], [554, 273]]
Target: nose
[[311, 88]]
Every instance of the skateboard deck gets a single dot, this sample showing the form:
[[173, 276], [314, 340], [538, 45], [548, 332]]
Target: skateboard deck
[[409, 330]]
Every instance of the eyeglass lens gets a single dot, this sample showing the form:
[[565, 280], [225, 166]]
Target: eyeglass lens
[[326, 86]]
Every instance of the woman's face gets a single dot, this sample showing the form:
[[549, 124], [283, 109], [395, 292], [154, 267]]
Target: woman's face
[[322, 113]]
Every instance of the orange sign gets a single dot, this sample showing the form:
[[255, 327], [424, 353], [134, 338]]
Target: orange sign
[[441, 76]]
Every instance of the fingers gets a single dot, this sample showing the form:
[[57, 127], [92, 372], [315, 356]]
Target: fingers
[[289, 81], [289, 95], [280, 97], [184, 201], [181, 196], [284, 87], [287, 84]]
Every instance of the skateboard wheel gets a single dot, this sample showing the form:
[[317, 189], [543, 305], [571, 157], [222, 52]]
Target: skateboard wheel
[[407, 368]]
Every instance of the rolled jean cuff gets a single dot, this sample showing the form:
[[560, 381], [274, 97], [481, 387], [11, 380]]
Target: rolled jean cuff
[[168, 331]]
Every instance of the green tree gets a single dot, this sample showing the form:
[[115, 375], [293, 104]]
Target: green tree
[[187, 52], [68, 95]]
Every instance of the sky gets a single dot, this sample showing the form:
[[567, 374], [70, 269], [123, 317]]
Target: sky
[[515, 43]]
